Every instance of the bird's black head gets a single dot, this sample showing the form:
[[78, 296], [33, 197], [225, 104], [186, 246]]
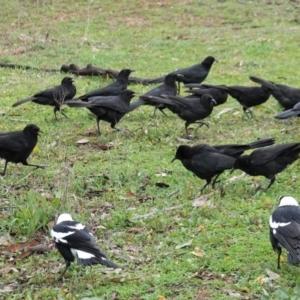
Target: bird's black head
[[182, 152], [128, 93], [32, 129], [67, 80], [125, 73], [208, 99], [170, 79], [208, 61]]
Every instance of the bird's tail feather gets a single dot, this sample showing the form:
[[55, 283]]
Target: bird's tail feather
[[262, 81], [262, 143], [287, 114], [77, 104], [23, 101], [135, 105], [156, 80]]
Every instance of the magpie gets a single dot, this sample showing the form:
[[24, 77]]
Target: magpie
[[74, 241], [285, 229]]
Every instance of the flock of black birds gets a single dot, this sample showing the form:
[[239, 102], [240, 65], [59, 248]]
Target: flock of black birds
[[112, 102]]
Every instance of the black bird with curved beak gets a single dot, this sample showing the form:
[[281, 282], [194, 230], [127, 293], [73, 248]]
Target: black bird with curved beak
[[285, 229], [55, 96], [16, 146]]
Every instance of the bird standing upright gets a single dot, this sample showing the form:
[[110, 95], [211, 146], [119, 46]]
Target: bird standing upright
[[285, 229], [194, 74], [16, 146], [74, 241], [55, 96]]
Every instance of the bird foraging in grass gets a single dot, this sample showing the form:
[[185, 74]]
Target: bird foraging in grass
[[74, 241], [285, 229]]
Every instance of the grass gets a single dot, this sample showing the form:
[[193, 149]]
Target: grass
[[228, 248]]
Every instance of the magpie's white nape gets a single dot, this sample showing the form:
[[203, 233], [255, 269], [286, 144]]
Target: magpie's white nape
[[285, 229], [74, 241]]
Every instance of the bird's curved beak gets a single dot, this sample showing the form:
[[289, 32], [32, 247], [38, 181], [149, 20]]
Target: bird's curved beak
[[214, 101]]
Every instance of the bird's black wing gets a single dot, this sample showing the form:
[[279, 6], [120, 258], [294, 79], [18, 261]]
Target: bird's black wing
[[110, 102], [13, 141]]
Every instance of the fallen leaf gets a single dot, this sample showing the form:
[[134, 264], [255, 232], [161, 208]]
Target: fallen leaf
[[83, 141], [185, 244], [181, 140], [198, 252], [161, 297], [9, 288], [223, 111], [2, 112], [202, 201], [5, 239], [272, 275]]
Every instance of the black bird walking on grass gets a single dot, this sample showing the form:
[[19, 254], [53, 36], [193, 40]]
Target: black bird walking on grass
[[55, 96], [168, 88], [110, 109], [247, 96], [285, 229], [268, 161], [286, 96], [16, 146], [208, 162], [204, 161], [194, 74], [192, 110], [113, 89], [74, 241]]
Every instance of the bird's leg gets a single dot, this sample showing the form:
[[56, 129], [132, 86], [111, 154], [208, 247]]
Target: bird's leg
[[61, 111], [278, 259], [271, 182], [215, 181], [36, 166], [98, 121], [248, 112], [63, 273], [205, 185], [4, 171], [186, 130], [202, 123], [178, 87], [55, 110], [153, 116], [161, 110]]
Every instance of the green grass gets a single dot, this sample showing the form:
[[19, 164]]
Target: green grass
[[117, 188]]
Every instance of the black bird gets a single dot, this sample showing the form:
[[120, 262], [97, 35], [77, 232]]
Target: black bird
[[74, 241], [110, 109], [293, 112], [204, 161], [287, 96], [192, 110], [168, 88], [55, 96], [194, 74], [16, 146], [198, 90], [112, 89], [247, 96], [207, 161], [268, 161], [285, 229]]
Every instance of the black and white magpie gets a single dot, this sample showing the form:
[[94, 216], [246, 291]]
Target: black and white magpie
[[285, 229], [74, 241]]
